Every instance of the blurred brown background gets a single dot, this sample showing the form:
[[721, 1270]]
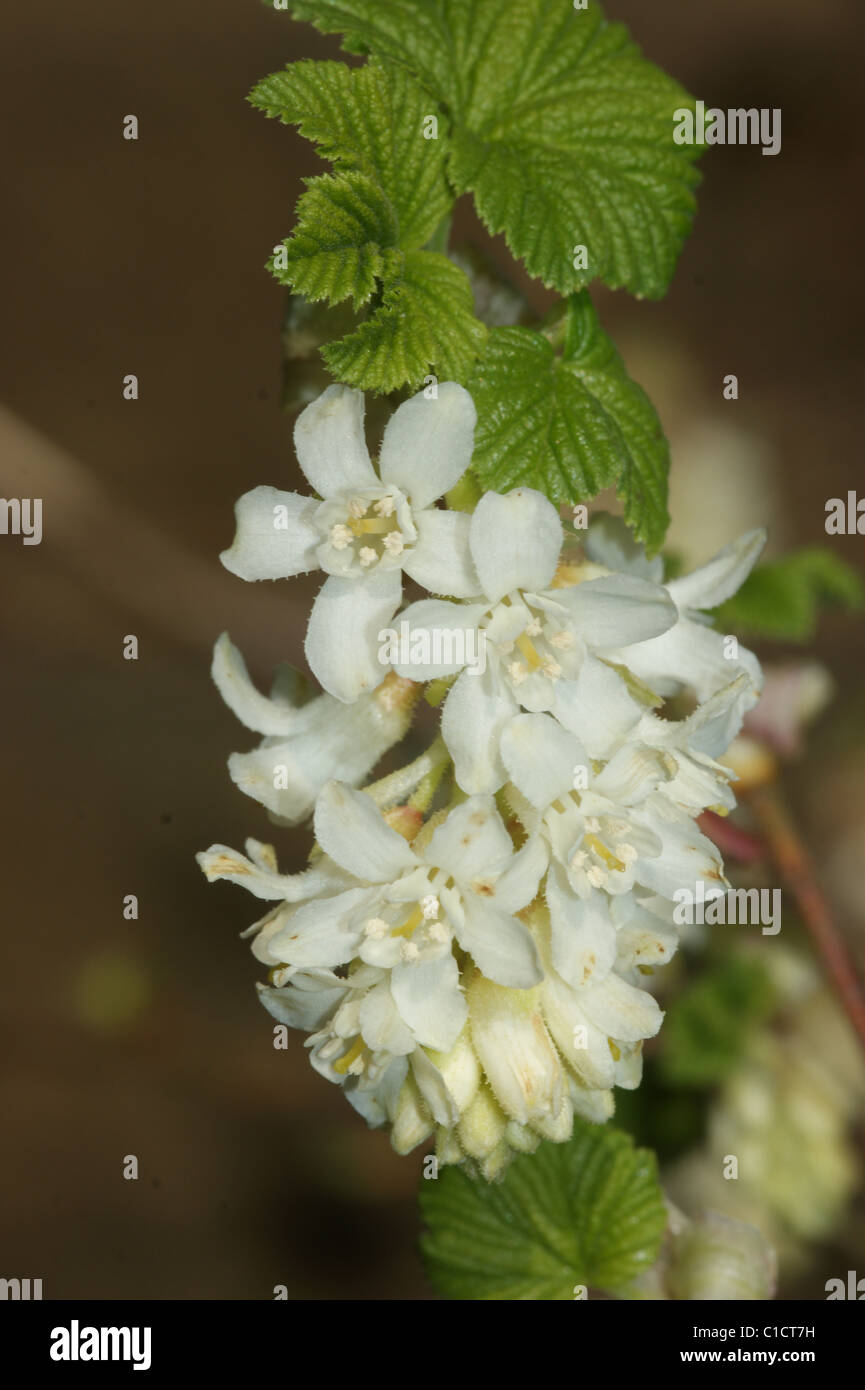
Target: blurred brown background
[[144, 1037]]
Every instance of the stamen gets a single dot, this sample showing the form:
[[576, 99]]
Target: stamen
[[430, 907], [413, 920], [600, 849], [344, 1063], [394, 543], [384, 506], [528, 652], [340, 536], [367, 556], [376, 929]]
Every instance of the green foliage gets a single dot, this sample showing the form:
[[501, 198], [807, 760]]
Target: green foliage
[[783, 599], [425, 320], [586, 1212], [707, 1027], [559, 127], [570, 424], [360, 229]]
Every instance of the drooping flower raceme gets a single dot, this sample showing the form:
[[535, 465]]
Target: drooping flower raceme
[[471, 947]]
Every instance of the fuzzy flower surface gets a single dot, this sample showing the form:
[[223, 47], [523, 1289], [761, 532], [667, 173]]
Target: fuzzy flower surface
[[471, 949]]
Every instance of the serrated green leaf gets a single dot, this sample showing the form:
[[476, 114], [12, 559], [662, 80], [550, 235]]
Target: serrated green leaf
[[707, 1027], [368, 121], [782, 600], [360, 229], [336, 252], [569, 425], [560, 128], [586, 1212], [425, 323]]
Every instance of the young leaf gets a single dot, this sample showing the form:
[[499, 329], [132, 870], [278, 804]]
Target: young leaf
[[425, 322], [368, 121], [360, 228], [782, 600], [569, 425], [586, 1212], [560, 128]]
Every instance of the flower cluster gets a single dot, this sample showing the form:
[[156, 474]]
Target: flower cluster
[[470, 947]]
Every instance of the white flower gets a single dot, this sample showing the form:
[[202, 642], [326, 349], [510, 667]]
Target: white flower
[[543, 644], [689, 653], [406, 909], [368, 527], [307, 744]]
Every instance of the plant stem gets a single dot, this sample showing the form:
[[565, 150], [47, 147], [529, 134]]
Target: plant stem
[[795, 864]]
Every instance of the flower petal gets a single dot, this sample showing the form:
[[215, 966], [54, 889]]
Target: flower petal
[[306, 1003], [596, 707], [256, 711], [622, 1011], [332, 739], [583, 936], [381, 1026], [428, 443], [516, 1051], [325, 932], [275, 536], [329, 442], [540, 757], [441, 560], [517, 886], [222, 862], [349, 828], [437, 638], [471, 844], [692, 655], [516, 541], [720, 577], [618, 610], [475, 712], [500, 944], [429, 998], [342, 644]]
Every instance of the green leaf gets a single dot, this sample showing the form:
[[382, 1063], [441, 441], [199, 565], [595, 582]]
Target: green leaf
[[707, 1027], [559, 127], [360, 228], [783, 599], [368, 121], [586, 1212], [336, 252], [570, 425], [425, 323]]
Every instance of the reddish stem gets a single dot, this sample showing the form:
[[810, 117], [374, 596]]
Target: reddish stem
[[795, 864]]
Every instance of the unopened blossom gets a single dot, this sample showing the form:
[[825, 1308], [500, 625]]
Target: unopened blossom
[[307, 743], [366, 527]]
